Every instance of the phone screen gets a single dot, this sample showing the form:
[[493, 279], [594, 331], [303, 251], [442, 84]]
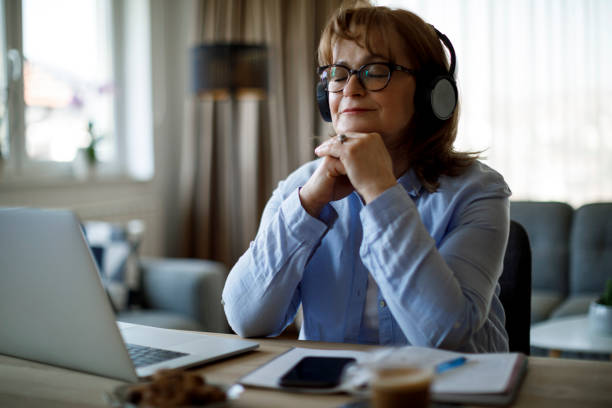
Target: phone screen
[[316, 372]]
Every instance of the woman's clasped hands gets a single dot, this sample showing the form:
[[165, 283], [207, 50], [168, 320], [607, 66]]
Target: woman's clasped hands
[[353, 162]]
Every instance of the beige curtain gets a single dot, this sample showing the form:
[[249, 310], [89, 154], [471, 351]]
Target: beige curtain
[[235, 151], [535, 85]]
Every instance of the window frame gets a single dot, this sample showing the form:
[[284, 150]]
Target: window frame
[[18, 169]]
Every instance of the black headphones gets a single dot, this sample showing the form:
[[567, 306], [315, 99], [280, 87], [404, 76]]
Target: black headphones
[[436, 92]]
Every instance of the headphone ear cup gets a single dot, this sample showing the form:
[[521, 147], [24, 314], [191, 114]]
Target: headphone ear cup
[[323, 102], [441, 97]]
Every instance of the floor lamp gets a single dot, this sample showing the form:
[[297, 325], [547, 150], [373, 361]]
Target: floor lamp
[[234, 76]]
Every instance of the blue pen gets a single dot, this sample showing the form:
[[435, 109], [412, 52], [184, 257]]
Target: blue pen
[[447, 365]]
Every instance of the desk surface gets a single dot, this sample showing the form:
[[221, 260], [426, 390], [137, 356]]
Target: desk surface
[[549, 382], [569, 334]]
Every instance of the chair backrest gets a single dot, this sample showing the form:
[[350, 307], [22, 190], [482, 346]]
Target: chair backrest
[[515, 283], [591, 249], [548, 225]]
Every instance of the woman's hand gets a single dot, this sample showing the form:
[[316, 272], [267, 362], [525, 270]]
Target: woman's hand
[[328, 183], [365, 161], [360, 163]]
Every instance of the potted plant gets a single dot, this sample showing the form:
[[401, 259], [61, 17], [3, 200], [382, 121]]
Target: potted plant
[[92, 157], [86, 158], [600, 312]]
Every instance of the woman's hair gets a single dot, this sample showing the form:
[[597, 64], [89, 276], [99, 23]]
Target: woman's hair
[[428, 142]]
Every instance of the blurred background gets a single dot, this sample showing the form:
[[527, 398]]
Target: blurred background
[[186, 114]]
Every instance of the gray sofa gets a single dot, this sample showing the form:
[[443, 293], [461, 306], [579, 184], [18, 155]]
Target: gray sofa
[[571, 254], [180, 294], [173, 293]]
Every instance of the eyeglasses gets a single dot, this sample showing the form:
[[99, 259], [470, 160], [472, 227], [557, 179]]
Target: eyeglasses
[[373, 77]]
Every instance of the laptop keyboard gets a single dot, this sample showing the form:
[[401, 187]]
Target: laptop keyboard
[[143, 356]]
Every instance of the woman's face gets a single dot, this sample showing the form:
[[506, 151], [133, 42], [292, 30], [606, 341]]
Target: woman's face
[[387, 111]]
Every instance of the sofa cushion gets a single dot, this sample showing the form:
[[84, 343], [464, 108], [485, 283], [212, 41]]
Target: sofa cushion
[[543, 303], [591, 248], [191, 287], [575, 305], [548, 227], [114, 249]]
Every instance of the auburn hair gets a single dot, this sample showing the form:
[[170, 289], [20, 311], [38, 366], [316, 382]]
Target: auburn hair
[[428, 142]]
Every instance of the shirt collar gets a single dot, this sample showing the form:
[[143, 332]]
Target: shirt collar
[[411, 183]]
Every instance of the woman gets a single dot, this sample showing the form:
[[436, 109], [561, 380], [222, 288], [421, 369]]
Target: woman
[[391, 237]]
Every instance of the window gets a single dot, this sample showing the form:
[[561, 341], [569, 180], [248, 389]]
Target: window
[[69, 80], [534, 85]]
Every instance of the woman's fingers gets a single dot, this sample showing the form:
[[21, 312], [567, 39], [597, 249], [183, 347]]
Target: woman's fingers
[[327, 183], [334, 167], [365, 161], [334, 146]]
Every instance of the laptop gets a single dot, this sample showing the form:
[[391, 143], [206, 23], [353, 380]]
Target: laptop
[[54, 309]]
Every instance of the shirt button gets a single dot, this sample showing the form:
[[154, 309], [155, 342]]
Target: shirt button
[[382, 303]]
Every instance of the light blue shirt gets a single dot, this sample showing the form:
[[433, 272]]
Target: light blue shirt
[[436, 259]]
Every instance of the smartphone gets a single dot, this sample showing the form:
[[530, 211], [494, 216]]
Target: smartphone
[[315, 372]]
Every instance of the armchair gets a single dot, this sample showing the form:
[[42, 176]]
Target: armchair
[[173, 293], [180, 293]]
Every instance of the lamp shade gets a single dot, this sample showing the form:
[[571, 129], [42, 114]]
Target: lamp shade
[[228, 67]]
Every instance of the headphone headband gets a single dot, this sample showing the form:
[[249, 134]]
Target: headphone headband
[[450, 48]]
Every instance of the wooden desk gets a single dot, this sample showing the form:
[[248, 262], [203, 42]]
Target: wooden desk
[[549, 382]]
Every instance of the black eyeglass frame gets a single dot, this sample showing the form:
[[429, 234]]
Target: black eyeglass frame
[[392, 68]]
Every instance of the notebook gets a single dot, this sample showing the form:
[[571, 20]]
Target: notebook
[[54, 309], [484, 378]]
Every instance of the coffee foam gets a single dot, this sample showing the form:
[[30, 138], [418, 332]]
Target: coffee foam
[[402, 377]]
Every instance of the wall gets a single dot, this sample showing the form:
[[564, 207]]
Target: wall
[[109, 201]]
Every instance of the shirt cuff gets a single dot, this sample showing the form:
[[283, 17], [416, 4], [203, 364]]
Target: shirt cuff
[[384, 209], [303, 226]]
